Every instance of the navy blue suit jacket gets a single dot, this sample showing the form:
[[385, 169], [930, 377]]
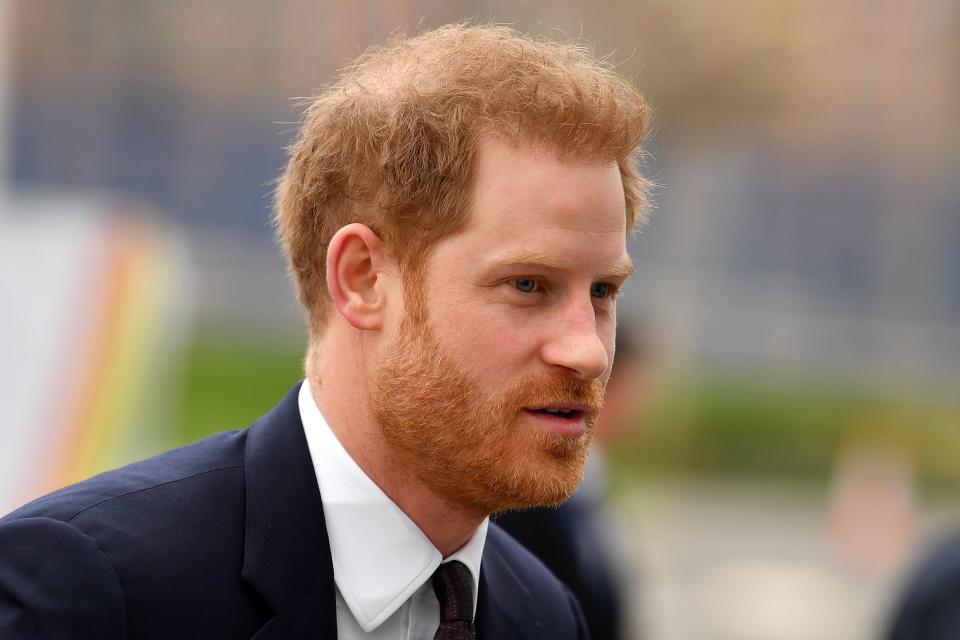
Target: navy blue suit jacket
[[930, 606], [224, 538]]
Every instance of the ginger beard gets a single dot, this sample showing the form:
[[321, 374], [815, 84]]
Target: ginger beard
[[473, 448]]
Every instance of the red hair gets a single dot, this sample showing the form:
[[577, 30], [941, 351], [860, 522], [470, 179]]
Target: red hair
[[391, 143]]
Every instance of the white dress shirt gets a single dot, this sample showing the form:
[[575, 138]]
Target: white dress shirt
[[382, 562]]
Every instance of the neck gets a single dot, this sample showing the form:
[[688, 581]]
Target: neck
[[342, 395]]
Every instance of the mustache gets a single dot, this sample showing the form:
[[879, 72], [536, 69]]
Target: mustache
[[557, 389]]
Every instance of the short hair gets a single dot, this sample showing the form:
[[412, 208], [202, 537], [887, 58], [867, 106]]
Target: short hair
[[392, 142]]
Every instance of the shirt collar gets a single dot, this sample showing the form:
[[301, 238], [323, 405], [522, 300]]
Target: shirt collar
[[380, 557]]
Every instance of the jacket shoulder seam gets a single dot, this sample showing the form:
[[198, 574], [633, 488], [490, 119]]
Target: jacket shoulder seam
[[153, 486]]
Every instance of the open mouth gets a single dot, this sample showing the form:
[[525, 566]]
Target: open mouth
[[565, 414]]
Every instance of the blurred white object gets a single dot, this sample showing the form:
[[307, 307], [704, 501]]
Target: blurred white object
[[93, 292]]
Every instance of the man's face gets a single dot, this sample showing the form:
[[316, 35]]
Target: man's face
[[491, 391]]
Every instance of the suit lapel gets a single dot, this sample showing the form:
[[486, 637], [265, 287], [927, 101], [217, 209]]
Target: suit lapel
[[286, 552], [502, 598]]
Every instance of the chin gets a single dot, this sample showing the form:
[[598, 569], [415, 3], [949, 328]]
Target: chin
[[547, 482]]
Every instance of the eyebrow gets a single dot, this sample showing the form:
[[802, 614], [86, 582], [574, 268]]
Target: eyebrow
[[622, 269]]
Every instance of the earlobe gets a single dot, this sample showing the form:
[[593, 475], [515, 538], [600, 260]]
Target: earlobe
[[356, 259]]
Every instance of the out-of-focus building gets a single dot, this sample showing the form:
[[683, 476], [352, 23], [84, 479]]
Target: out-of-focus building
[[826, 237], [809, 218]]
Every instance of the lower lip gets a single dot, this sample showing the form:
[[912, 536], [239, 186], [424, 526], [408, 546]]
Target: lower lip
[[566, 427]]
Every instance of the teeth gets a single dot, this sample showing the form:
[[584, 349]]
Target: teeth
[[559, 412]]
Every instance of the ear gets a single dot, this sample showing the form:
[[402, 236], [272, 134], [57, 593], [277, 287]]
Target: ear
[[357, 263]]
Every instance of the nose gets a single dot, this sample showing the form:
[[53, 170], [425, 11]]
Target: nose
[[575, 343]]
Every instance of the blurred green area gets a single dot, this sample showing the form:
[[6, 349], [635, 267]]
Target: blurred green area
[[230, 380], [776, 429], [783, 429]]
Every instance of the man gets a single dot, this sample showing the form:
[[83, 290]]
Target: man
[[454, 213]]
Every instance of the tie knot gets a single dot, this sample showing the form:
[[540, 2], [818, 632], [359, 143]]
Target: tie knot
[[453, 585]]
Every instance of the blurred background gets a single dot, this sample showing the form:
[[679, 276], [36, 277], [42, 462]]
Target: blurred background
[[794, 434]]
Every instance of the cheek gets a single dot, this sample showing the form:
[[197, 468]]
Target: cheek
[[487, 343]]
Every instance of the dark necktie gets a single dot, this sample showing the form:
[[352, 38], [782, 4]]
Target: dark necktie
[[453, 585]]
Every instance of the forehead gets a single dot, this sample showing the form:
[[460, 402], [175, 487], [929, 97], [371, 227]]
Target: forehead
[[530, 199]]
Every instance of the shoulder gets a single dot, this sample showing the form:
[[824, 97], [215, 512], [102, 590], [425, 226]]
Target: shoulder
[[182, 469], [527, 591], [111, 555], [930, 606]]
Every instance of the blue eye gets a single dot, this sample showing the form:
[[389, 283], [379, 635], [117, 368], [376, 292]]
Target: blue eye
[[526, 285], [600, 290]]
